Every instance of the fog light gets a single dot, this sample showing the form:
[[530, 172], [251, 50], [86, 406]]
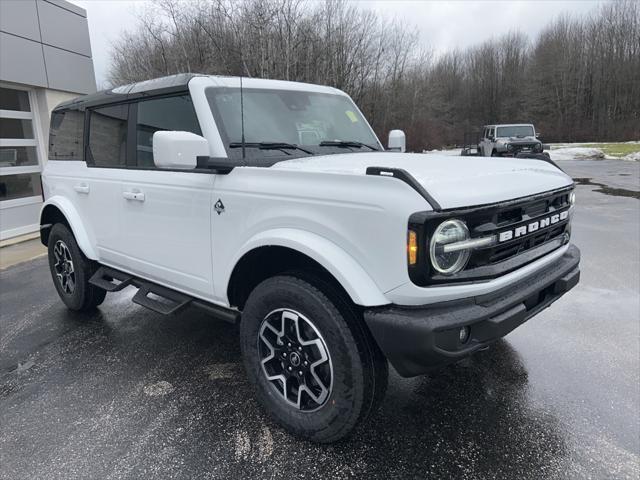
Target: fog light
[[464, 334]]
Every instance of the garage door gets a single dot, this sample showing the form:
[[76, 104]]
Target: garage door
[[20, 163]]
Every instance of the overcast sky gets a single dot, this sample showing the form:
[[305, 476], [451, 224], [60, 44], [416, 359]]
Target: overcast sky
[[443, 25]]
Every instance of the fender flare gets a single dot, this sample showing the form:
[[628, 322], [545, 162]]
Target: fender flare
[[75, 222], [353, 278]]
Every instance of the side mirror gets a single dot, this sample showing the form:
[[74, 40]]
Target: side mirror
[[538, 134], [397, 141], [178, 150]]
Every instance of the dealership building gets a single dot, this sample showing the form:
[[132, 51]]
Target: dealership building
[[45, 58]]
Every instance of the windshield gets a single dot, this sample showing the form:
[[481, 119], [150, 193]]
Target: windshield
[[315, 122], [515, 131]]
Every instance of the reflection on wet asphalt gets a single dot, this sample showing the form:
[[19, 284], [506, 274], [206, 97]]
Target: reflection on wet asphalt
[[127, 393], [616, 192]]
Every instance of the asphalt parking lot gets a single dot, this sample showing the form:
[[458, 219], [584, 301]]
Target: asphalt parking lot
[[127, 393]]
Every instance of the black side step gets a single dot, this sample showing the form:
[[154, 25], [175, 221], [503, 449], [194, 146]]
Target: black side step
[[166, 301], [105, 276], [156, 297]]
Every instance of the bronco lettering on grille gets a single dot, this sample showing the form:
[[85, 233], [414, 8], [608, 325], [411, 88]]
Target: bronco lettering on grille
[[531, 227]]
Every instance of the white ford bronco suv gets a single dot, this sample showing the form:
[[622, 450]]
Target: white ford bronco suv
[[275, 207]]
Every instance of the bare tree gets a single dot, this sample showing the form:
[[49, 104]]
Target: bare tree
[[579, 79]]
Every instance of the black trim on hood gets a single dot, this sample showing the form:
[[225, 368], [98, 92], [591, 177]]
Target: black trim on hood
[[407, 178]]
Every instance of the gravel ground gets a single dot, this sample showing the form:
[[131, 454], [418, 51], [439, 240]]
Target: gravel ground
[[127, 393]]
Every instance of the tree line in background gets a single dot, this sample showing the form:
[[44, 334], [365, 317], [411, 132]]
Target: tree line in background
[[578, 80]]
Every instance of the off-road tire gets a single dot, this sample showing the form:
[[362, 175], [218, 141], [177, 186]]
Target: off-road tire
[[359, 368], [83, 296]]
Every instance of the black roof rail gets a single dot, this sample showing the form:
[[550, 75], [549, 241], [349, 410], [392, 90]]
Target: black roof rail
[[171, 84]]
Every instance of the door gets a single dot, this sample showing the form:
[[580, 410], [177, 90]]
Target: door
[[164, 221], [487, 142], [106, 160]]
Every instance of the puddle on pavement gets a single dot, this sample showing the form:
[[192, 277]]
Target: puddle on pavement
[[615, 192]]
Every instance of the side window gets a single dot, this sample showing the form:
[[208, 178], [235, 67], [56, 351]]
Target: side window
[[108, 136], [169, 113], [66, 134], [491, 132]]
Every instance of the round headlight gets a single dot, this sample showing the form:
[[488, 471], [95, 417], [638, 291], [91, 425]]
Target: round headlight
[[448, 263], [509, 147], [572, 198]]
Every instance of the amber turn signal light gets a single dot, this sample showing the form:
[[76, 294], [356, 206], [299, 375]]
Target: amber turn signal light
[[412, 247]]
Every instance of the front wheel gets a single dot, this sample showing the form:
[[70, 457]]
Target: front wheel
[[316, 368], [71, 271]]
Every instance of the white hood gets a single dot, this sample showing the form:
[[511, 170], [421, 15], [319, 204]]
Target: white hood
[[452, 181]]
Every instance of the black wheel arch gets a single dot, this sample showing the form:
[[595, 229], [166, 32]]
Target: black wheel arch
[[264, 262], [49, 216]]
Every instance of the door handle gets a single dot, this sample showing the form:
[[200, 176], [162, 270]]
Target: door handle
[[81, 188], [137, 196]]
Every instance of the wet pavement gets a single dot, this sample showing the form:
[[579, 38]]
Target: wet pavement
[[127, 393]]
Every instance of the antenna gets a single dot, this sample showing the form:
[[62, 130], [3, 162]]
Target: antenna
[[242, 117], [242, 101]]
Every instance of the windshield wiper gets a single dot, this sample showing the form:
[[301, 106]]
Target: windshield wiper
[[345, 144], [270, 146]]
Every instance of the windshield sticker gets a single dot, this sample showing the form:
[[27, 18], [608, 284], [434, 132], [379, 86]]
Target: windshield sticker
[[352, 116]]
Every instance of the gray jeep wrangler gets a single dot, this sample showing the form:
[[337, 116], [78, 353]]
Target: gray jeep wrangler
[[510, 140]]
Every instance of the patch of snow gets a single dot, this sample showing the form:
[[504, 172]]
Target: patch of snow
[[452, 152], [578, 153], [632, 157]]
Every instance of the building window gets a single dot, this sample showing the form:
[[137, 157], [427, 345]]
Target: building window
[[20, 186], [17, 100], [18, 156]]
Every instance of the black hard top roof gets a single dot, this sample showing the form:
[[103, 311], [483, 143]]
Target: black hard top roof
[[157, 86]]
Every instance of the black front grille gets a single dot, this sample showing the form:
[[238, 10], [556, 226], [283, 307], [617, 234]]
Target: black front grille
[[522, 146], [503, 252], [490, 220], [501, 219]]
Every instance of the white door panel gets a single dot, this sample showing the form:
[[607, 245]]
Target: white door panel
[[165, 228], [90, 190]]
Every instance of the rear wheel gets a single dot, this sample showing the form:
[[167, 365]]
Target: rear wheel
[[316, 368], [71, 271]]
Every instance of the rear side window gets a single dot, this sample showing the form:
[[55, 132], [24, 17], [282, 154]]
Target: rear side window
[[108, 136], [169, 113], [65, 135]]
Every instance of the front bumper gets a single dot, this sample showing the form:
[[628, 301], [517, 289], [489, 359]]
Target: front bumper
[[419, 339]]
